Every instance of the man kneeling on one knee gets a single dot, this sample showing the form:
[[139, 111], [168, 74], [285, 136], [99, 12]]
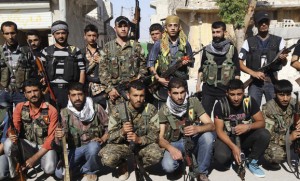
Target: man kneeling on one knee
[[173, 133], [35, 121], [237, 115], [85, 124]]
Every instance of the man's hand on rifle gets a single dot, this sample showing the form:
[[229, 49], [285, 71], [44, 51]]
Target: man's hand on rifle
[[113, 94], [191, 130], [101, 140], [13, 137], [185, 60], [241, 129], [59, 133], [163, 81], [259, 75], [175, 153], [236, 152], [131, 136], [30, 162], [127, 127]]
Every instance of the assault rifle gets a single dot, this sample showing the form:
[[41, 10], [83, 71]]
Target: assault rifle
[[241, 171], [296, 119], [171, 70], [189, 157], [137, 17], [270, 65], [140, 173], [42, 73], [21, 167], [123, 87]]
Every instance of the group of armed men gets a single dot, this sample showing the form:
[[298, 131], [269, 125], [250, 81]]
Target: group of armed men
[[112, 98]]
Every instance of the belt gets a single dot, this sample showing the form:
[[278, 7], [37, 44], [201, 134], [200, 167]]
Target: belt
[[60, 86]]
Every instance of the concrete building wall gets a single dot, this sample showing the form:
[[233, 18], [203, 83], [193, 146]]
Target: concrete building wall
[[197, 16]]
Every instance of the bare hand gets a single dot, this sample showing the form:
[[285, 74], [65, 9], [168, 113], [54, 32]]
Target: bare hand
[[163, 81], [184, 62], [13, 138], [127, 127], [241, 129], [59, 133], [175, 154], [237, 154], [294, 135], [259, 75], [30, 162], [113, 94], [190, 130], [131, 136]]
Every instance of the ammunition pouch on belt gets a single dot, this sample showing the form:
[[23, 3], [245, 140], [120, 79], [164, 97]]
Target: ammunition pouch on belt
[[114, 67], [4, 74], [174, 132]]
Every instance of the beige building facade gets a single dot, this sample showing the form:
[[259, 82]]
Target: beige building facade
[[198, 15]]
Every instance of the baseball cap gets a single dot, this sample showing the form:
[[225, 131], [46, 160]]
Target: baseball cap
[[260, 16], [122, 19]]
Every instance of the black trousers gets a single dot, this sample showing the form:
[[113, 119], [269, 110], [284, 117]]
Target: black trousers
[[256, 140]]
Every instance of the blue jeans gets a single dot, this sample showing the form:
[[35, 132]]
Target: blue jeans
[[203, 152], [4, 167], [83, 160], [257, 89], [8, 97]]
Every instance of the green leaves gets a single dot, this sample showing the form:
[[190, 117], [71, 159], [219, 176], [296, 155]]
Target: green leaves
[[233, 11]]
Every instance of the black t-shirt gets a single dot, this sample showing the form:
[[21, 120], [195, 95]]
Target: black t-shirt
[[297, 50], [237, 111], [219, 59]]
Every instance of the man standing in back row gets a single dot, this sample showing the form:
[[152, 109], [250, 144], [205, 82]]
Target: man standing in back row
[[64, 63], [124, 62], [259, 51], [219, 65]]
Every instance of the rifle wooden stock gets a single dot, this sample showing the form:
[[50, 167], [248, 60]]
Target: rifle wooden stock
[[137, 17], [171, 70], [67, 176], [21, 167], [241, 171]]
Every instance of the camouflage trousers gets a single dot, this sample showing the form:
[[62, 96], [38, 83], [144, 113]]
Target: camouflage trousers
[[113, 154], [275, 153]]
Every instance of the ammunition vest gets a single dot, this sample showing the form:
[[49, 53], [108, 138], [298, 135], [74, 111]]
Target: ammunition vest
[[141, 129], [20, 73], [75, 133], [35, 130], [174, 127], [71, 69], [253, 59], [225, 107], [165, 61], [277, 121], [210, 69], [123, 66]]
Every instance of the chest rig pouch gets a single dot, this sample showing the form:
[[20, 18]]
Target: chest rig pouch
[[228, 122], [175, 126], [71, 68], [35, 130], [211, 69], [78, 137], [123, 64]]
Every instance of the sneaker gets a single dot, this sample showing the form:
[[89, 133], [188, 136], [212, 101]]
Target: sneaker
[[122, 171], [90, 177], [271, 166], [254, 168], [203, 177]]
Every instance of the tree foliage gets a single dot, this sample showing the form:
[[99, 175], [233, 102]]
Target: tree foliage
[[233, 12]]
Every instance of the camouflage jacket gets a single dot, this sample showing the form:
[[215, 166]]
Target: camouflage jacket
[[121, 63], [145, 123], [277, 120]]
